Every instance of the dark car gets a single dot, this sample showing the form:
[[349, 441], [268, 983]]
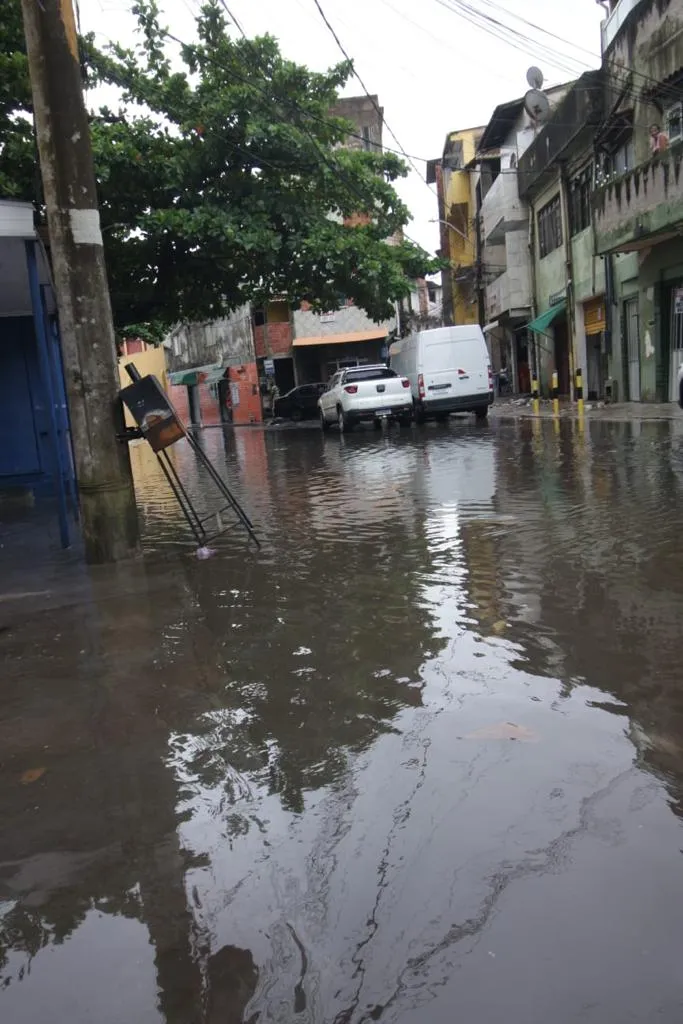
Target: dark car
[[300, 403]]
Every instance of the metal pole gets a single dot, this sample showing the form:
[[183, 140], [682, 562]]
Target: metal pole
[[534, 394], [105, 483], [579, 391]]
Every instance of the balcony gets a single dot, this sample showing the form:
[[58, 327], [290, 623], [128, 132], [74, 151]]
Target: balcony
[[502, 209], [509, 294], [612, 27], [641, 207]]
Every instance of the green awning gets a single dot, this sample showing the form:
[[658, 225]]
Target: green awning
[[542, 322], [198, 375]]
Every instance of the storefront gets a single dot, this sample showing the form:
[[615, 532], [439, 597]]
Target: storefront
[[595, 323], [317, 359]]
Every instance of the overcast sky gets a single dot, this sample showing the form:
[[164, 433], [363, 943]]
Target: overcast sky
[[434, 71]]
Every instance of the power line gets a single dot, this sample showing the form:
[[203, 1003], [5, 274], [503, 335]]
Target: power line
[[371, 98], [506, 34], [233, 18]]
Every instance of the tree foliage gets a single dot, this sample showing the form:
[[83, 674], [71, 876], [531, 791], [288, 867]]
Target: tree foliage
[[221, 177]]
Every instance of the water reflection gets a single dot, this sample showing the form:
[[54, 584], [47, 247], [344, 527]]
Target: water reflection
[[429, 736]]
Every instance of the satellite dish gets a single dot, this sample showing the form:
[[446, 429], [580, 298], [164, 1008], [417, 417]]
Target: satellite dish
[[536, 105], [534, 77]]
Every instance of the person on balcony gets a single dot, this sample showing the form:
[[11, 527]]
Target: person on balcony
[[659, 140]]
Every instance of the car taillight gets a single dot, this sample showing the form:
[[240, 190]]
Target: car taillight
[[490, 379], [405, 382], [421, 386], [351, 389]]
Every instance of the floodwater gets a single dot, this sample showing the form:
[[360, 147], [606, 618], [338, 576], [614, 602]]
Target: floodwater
[[419, 759]]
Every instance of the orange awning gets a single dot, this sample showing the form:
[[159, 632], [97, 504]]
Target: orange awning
[[341, 339]]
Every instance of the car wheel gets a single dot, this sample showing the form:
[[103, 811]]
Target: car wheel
[[442, 417], [342, 422], [481, 413], [405, 421], [324, 423], [420, 417]]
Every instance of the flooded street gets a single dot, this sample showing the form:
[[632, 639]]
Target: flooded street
[[419, 759]]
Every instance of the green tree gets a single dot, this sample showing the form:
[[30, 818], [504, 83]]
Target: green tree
[[220, 176]]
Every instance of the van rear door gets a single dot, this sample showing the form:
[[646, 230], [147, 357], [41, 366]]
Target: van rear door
[[454, 367]]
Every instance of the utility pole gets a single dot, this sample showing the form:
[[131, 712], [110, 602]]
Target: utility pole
[[105, 483]]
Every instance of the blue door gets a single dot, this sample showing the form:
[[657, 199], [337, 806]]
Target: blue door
[[19, 447]]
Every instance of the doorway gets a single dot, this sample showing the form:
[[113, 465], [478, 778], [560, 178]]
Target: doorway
[[595, 376], [632, 337], [675, 339]]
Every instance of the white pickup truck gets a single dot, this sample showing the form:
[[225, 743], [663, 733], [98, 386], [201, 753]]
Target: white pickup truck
[[370, 393]]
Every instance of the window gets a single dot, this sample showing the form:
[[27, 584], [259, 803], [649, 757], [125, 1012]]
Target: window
[[580, 200], [550, 227], [674, 122], [372, 373], [623, 159]]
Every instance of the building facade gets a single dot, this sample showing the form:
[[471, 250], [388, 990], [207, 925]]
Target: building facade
[[213, 374], [457, 205], [638, 199], [323, 342], [505, 258]]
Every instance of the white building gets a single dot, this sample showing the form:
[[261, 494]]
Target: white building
[[504, 234]]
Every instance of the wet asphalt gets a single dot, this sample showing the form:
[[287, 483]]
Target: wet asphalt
[[419, 759]]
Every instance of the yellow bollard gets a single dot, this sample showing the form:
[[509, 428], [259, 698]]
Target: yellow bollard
[[556, 394], [579, 392], [534, 395]]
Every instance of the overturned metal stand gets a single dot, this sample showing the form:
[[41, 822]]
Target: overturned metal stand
[[195, 522], [159, 446]]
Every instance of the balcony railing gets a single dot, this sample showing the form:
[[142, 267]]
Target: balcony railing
[[641, 205]]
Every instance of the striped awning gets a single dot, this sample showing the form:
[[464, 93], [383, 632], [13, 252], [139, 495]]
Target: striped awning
[[210, 374]]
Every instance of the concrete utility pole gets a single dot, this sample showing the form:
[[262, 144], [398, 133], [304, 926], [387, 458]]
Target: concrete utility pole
[[105, 483]]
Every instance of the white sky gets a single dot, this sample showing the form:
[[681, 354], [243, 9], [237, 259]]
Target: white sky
[[432, 70]]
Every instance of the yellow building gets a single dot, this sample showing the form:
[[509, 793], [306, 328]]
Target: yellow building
[[455, 181]]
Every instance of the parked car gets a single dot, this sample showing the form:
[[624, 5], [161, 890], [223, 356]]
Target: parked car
[[365, 393], [300, 403], [449, 371], [680, 385]]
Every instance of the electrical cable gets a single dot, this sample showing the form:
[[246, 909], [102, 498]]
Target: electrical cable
[[371, 98]]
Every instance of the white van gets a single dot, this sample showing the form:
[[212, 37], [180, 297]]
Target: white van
[[448, 369]]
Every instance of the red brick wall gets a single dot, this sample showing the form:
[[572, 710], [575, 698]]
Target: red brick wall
[[209, 406], [178, 396], [260, 342], [248, 410], [273, 340], [279, 339]]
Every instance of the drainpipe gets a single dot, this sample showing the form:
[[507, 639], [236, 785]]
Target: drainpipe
[[569, 269], [535, 367], [481, 310]]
